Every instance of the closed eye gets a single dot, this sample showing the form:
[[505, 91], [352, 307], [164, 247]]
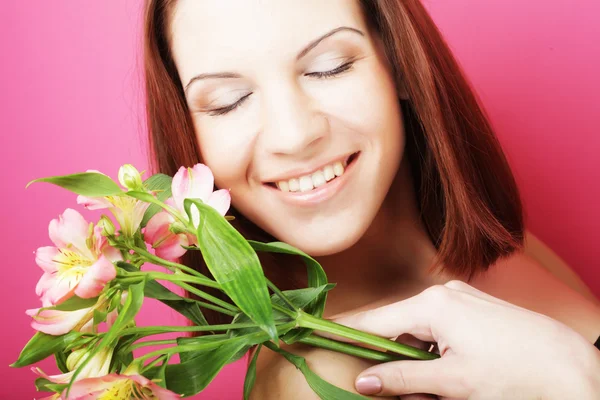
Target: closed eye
[[225, 110], [328, 74]]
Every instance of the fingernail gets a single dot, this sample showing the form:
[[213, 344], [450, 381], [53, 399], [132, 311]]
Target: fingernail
[[368, 384]]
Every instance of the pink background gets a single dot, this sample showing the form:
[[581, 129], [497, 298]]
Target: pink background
[[71, 100]]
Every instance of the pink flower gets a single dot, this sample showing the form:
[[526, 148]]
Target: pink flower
[[128, 211], [198, 183], [119, 387], [58, 322], [98, 366], [167, 245], [188, 183], [80, 264]]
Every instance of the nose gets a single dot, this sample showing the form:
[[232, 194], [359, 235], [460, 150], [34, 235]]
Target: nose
[[292, 122]]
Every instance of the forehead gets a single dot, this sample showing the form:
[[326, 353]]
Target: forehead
[[216, 35]]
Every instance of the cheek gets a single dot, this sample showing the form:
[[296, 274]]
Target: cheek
[[225, 150], [366, 103]]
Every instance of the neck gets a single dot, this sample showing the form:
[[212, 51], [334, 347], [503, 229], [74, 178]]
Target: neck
[[393, 255]]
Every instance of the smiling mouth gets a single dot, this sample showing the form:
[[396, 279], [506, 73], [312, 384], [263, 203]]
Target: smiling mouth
[[322, 177]]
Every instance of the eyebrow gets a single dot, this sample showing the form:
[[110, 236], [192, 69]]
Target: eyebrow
[[302, 53]]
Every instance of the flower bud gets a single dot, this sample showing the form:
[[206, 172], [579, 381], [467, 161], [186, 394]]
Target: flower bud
[[98, 365], [75, 358], [108, 228], [130, 177]]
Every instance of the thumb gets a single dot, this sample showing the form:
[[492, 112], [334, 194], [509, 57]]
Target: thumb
[[441, 377]]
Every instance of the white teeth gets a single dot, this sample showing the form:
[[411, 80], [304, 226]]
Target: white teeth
[[283, 186], [309, 182], [318, 179], [338, 169], [294, 185], [306, 184], [328, 173]]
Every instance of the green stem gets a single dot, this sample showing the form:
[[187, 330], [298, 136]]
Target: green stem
[[257, 337], [175, 278], [164, 359], [291, 314], [305, 320], [347, 348], [208, 297], [152, 330], [282, 296], [151, 343], [174, 266]]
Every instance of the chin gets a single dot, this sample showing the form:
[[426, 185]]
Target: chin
[[319, 245]]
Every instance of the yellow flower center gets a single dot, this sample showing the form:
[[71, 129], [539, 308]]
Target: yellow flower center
[[126, 389], [71, 265]]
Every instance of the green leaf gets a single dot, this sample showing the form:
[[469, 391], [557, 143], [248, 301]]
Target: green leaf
[[41, 346], [321, 387], [161, 183], [135, 298], [44, 385], [99, 316], [300, 298], [75, 303], [251, 374], [186, 307], [90, 184], [316, 277], [192, 376], [61, 361], [188, 355], [234, 265]]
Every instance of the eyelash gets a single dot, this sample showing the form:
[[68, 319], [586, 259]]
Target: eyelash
[[319, 75]]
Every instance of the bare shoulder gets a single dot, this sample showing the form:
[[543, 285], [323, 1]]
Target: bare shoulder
[[276, 378], [538, 250], [522, 280]]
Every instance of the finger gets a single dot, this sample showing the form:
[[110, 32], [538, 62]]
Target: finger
[[466, 288], [441, 377], [412, 341], [419, 396], [410, 316]]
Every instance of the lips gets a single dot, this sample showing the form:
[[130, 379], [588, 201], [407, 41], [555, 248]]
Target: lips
[[311, 195]]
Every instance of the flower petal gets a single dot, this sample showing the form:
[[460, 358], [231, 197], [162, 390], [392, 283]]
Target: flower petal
[[63, 287], [159, 392], [55, 322], [95, 278], [220, 201], [170, 249], [44, 284], [93, 203], [192, 183], [92, 388], [61, 378], [157, 228], [70, 229], [44, 258]]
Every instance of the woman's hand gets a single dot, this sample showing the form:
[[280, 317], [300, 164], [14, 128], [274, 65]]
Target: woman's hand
[[490, 349]]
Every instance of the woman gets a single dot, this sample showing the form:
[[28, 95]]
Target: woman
[[346, 129]]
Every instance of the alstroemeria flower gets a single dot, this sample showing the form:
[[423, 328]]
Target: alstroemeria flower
[[119, 387], [98, 366], [58, 322], [128, 211], [188, 183], [80, 264]]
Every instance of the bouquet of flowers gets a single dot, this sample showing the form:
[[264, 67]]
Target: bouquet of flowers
[[94, 284]]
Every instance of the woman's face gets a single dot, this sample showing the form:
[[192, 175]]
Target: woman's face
[[295, 112]]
